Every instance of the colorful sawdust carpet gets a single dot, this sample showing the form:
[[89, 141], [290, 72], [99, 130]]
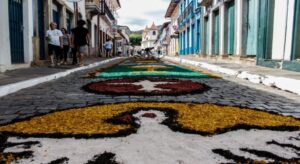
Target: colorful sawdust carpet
[[205, 119], [220, 129], [146, 86], [129, 69]]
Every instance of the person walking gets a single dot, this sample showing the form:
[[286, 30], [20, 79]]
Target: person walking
[[120, 51], [80, 40], [55, 43], [108, 47], [66, 43]]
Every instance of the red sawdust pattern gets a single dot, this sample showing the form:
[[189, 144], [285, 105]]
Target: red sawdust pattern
[[174, 87]]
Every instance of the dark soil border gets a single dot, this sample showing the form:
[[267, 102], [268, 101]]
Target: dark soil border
[[259, 153]]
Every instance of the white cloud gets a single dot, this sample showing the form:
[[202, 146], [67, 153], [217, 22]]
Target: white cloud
[[138, 13]]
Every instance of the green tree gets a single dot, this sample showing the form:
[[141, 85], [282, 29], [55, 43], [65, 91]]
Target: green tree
[[135, 39]]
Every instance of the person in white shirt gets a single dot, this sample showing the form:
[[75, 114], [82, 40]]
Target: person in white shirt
[[55, 43]]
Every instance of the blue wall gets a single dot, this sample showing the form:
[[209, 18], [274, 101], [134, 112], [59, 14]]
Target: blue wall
[[190, 36]]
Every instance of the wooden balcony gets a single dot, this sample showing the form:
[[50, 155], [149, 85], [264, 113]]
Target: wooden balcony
[[93, 6]]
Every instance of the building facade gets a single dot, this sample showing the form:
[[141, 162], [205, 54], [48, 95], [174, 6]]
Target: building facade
[[123, 42], [62, 13], [16, 32], [262, 32], [102, 24], [189, 27], [25, 22], [149, 36], [23, 28], [162, 43], [172, 14]]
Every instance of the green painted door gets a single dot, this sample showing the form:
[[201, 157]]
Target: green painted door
[[16, 31], [206, 35], [252, 27], [216, 32], [296, 46], [188, 41], [230, 27]]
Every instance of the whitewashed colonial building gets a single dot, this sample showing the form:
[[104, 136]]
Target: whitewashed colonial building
[[161, 45], [264, 32], [149, 36], [123, 41], [23, 27], [102, 23], [172, 14]]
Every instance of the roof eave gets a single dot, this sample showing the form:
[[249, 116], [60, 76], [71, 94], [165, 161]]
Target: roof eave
[[172, 6]]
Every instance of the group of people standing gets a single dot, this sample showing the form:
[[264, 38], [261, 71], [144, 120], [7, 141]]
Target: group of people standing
[[60, 42]]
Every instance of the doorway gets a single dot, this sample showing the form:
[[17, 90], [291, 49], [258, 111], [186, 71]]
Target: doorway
[[206, 35], [252, 27], [56, 15], [216, 33], [16, 31], [296, 46], [230, 27]]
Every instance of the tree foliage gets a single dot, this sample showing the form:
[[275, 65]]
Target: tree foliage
[[135, 39]]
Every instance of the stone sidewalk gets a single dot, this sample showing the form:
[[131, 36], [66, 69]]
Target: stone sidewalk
[[281, 79], [18, 75], [12, 81]]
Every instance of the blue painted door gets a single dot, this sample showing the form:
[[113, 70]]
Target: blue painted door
[[296, 46], [41, 22], [198, 36], [180, 43], [230, 27], [68, 21], [55, 15], [56, 18], [216, 33], [193, 46], [184, 43], [206, 35], [16, 31], [252, 27], [188, 41]]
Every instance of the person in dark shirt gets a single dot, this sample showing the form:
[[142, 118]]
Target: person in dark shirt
[[80, 40]]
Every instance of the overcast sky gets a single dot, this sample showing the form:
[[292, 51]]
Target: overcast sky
[[138, 13]]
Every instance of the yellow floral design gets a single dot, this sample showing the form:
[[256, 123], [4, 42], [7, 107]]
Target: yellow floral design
[[202, 118]]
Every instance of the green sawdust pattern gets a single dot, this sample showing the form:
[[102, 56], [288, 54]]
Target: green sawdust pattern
[[169, 71]]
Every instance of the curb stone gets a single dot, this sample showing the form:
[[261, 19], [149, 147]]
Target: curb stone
[[14, 87], [283, 83]]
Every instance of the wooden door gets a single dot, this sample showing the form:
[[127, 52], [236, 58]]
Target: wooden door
[[252, 27], [216, 33]]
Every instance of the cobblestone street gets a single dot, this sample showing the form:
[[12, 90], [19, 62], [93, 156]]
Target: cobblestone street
[[150, 82], [68, 93]]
